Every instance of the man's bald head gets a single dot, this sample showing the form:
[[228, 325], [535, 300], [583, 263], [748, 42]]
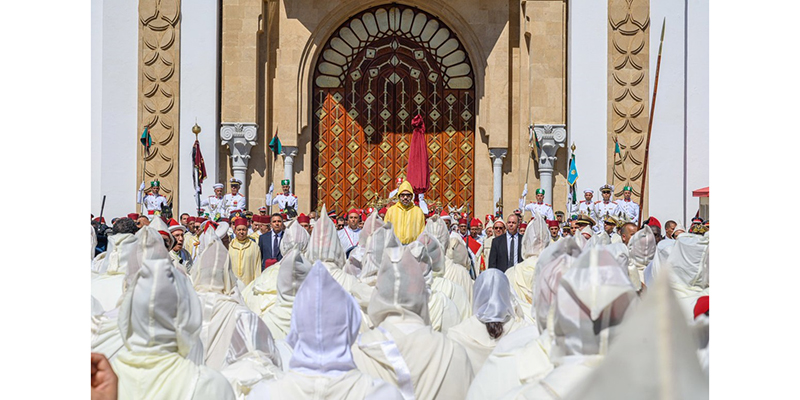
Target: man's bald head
[[627, 231]]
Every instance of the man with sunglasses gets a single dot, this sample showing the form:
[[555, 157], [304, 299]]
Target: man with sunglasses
[[407, 219], [506, 249]]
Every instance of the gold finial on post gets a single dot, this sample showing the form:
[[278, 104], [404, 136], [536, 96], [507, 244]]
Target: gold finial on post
[[196, 129]]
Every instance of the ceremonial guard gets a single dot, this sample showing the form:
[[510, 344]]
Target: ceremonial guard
[[234, 201], [540, 206], [285, 199], [153, 201], [605, 207], [627, 206], [215, 204], [586, 206]]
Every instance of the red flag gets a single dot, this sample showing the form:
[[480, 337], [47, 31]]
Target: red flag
[[473, 245], [418, 171], [199, 163]]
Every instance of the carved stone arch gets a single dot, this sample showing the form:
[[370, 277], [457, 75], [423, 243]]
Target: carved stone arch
[[330, 23], [379, 69]]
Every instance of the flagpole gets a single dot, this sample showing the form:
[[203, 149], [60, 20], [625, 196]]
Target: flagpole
[[144, 168], [650, 122], [197, 190]]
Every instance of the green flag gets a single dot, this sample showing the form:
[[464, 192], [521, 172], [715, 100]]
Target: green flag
[[146, 140], [275, 145], [616, 147]]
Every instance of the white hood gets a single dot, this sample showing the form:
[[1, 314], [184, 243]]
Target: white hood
[[552, 264], [293, 271], [437, 228], [401, 288], [324, 244], [536, 237], [380, 237], [653, 356], [212, 268], [457, 251], [120, 253], [594, 296], [161, 312], [294, 236], [492, 297], [325, 323]]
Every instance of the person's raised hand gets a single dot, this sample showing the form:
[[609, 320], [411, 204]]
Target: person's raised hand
[[104, 380]]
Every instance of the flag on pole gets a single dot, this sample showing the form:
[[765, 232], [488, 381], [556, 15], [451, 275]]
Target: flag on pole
[[146, 140], [275, 145], [572, 177], [199, 163], [616, 147]]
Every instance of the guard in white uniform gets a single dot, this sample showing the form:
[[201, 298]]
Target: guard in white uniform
[[540, 206], [630, 208], [234, 201], [606, 207], [286, 198], [153, 201], [215, 205], [586, 206]]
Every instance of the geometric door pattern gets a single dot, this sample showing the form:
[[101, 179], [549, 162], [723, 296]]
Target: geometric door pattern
[[376, 72]]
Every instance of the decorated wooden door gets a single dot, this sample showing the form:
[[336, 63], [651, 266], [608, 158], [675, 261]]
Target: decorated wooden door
[[376, 72]]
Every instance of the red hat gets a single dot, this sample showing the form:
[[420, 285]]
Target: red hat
[[210, 225], [240, 221], [382, 211], [284, 216], [175, 226], [101, 220], [191, 219], [701, 307], [552, 222], [303, 219], [475, 222], [262, 208], [489, 218], [523, 225], [444, 215], [133, 216], [462, 221], [354, 211], [654, 222]]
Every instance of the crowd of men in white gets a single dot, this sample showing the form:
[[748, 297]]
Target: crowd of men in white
[[575, 319]]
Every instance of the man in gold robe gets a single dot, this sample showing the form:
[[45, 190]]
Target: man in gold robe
[[406, 218], [245, 254]]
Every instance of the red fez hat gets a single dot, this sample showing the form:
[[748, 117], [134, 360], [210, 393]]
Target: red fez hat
[[523, 225], [191, 219], [303, 219], [701, 307], [240, 221], [475, 222], [101, 220], [133, 216], [353, 211], [462, 221], [552, 222], [654, 222], [489, 218]]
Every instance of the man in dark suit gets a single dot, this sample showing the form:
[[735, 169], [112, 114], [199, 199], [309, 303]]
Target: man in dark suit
[[270, 242], [506, 241]]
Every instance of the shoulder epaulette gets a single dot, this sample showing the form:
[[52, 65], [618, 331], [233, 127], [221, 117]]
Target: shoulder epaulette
[[598, 201], [294, 195], [547, 205]]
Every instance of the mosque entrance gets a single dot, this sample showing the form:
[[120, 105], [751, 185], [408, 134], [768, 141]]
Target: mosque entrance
[[376, 72]]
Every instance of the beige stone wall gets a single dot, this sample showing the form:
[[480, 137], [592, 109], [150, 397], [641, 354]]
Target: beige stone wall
[[495, 34], [159, 93], [628, 93]]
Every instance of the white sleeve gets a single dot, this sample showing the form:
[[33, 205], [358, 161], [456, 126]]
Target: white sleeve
[[243, 206]]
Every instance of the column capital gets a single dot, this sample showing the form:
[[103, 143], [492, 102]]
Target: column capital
[[498, 152], [551, 137], [240, 138], [289, 151]]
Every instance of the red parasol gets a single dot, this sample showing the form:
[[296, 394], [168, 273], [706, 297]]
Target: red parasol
[[418, 171]]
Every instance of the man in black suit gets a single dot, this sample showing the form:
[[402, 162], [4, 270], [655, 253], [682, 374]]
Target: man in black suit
[[506, 241], [269, 242]]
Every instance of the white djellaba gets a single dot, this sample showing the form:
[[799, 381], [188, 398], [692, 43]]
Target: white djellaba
[[492, 304], [376, 236], [437, 229], [403, 349], [442, 311], [108, 272], [689, 262], [262, 293], [523, 356], [160, 321], [355, 262], [324, 327], [641, 249], [457, 264], [293, 270], [653, 356], [222, 306], [594, 297], [520, 276], [325, 246], [251, 356]]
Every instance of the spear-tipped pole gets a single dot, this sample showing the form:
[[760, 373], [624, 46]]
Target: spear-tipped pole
[[650, 123]]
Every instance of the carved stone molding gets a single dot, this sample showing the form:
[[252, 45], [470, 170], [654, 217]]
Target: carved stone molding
[[159, 89], [551, 138], [628, 91], [240, 138]]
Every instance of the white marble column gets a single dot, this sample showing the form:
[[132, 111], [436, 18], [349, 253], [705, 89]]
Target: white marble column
[[497, 154], [240, 138], [289, 152], [550, 137]]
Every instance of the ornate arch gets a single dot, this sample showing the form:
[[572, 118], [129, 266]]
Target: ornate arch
[[376, 72]]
